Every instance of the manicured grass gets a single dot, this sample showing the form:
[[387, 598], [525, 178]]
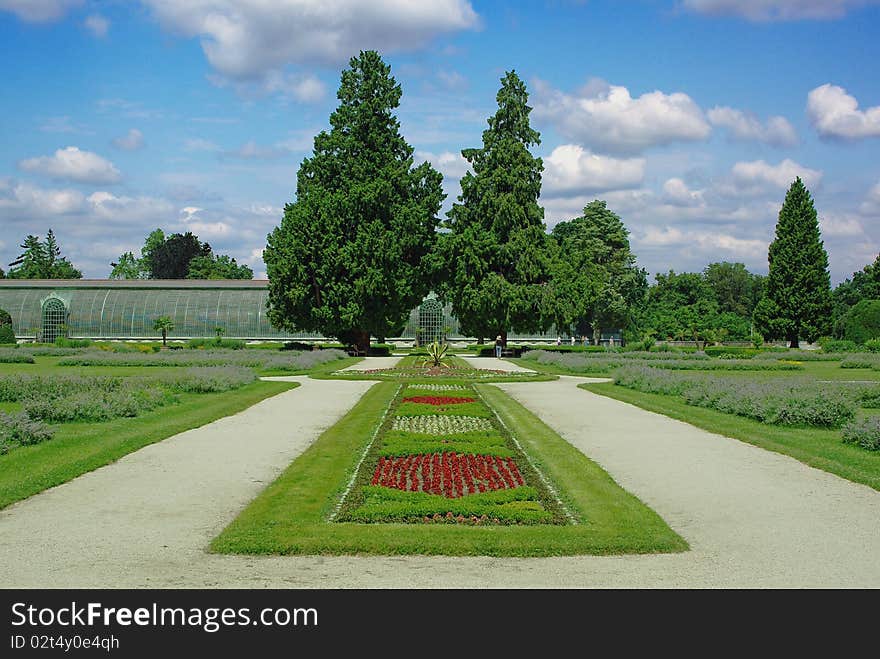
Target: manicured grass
[[818, 448], [78, 448], [291, 515]]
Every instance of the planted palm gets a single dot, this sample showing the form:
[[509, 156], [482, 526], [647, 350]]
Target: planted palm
[[436, 354]]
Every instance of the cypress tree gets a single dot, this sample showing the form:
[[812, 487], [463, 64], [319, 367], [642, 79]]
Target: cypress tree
[[352, 255], [797, 300], [495, 254]]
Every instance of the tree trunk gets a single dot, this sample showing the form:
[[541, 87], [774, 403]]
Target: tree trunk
[[597, 335], [793, 343], [362, 341], [164, 337], [480, 340], [503, 338]]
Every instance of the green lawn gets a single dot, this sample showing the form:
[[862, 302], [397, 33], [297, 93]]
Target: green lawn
[[816, 447], [292, 515]]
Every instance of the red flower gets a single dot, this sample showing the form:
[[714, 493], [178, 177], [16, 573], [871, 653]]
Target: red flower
[[439, 400]]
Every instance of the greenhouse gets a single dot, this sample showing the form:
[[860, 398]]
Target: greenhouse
[[126, 309]]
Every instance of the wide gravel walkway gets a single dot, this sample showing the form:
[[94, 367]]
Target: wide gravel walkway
[[753, 518]]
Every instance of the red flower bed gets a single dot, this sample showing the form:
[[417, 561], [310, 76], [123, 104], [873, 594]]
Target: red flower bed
[[451, 475], [439, 400]]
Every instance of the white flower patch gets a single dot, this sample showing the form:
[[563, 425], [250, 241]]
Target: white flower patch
[[430, 424], [439, 387]]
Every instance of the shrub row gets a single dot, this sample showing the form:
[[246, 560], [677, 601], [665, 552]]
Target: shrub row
[[601, 364], [20, 430], [863, 432], [263, 359], [792, 403], [14, 356]]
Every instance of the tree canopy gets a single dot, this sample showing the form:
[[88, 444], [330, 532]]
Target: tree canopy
[[178, 256], [42, 260], [797, 301], [864, 285], [596, 282], [351, 256], [495, 257]]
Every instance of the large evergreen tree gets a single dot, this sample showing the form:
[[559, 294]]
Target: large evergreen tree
[[350, 258], [797, 300], [595, 274], [495, 256], [42, 260]]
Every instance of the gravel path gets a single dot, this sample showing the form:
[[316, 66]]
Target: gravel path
[[369, 363], [495, 364], [753, 518]]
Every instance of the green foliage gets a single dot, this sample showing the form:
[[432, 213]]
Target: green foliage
[[495, 259], [7, 335], [739, 351], [834, 345], [797, 301], [5, 318], [163, 324], [222, 344], [436, 355], [42, 260], [863, 432], [171, 259], [211, 266], [861, 322], [736, 290], [351, 257], [872, 345], [864, 285], [65, 342], [127, 267], [595, 282]]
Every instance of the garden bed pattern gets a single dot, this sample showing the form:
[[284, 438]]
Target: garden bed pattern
[[440, 456]]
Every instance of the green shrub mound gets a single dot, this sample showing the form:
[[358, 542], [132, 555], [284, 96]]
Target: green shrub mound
[[790, 403], [215, 344], [21, 430], [64, 342], [7, 335], [860, 361], [862, 322], [863, 432], [15, 356]]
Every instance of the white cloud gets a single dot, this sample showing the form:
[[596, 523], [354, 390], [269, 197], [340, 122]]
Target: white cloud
[[607, 118], [451, 165], [249, 38], [777, 131], [131, 141], [709, 242], [835, 114], [199, 144], [39, 11], [97, 25], [840, 225], [74, 165], [63, 124], [20, 201], [571, 169], [871, 205], [677, 193], [452, 80], [776, 10], [300, 87], [782, 175], [250, 150], [142, 211]]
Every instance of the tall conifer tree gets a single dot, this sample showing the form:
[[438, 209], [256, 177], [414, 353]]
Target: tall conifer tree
[[797, 301], [351, 257], [495, 255]]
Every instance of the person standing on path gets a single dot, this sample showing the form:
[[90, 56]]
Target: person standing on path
[[572, 340], [499, 344]]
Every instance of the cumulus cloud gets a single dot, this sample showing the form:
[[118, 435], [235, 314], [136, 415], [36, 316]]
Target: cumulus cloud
[[759, 173], [140, 211], [249, 38], [20, 201], [451, 165], [72, 164], [571, 169], [777, 131], [39, 11], [836, 115], [97, 25], [776, 10], [607, 118], [131, 141], [299, 87], [677, 193], [708, 241]]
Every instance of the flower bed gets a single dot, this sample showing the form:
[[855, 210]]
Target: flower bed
[[429, 464], [439, 400]]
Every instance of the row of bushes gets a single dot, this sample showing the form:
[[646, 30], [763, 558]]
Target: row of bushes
[[13, 356], [21, 430], [606, 364], [791, 403], [263, 359]]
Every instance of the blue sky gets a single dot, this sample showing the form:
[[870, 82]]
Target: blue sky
[[689, 117]]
